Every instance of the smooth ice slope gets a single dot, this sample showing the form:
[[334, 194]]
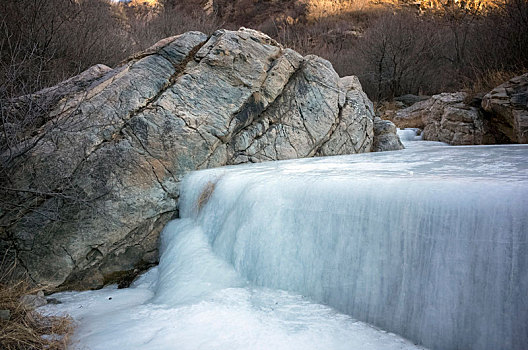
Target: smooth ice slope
[[243, 318], [429, 243]]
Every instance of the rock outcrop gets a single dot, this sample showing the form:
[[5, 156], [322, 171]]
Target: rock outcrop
[[446, 118], [449, 119], [85, 197], [500, 116], [507, 107], [410, 117]]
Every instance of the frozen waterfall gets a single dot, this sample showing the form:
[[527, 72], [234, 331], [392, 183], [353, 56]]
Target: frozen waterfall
[[429, 243]]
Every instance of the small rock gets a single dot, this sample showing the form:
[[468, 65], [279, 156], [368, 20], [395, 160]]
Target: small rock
[[5, 315], [53, 301], [34, 301], [409, 99], [385, 136]]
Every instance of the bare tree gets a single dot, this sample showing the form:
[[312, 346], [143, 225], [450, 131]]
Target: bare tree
[[398, 54]]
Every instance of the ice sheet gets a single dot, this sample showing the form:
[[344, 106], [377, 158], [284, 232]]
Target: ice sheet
[[212, 313], [428, 242], [409, 134]]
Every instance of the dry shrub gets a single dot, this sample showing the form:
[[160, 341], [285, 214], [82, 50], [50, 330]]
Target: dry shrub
[[43, 42], [500, 40], [319, 9], [147, 25], [331, 34], [469, 5], [397, 49], [205, 195], [487, 81], [27, 329], [399, 53], [257, 13], [484, 82]]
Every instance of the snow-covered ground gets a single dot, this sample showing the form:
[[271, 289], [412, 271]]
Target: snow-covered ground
[[228, 318], [428, 242]]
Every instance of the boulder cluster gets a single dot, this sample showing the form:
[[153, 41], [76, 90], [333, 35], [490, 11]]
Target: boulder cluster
[[499, 116]]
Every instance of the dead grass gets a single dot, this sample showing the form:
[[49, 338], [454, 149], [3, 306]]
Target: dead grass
[[26, 328], [318, 9], [386, 107], [467, 5], [485, 82]]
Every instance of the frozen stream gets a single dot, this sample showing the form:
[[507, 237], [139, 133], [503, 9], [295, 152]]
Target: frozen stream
[[429, 243]]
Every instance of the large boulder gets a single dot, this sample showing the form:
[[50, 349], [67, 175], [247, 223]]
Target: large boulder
[[449, 119], [507, 106], [85, 196]]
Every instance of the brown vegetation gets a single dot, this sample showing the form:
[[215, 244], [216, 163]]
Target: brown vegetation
[[395, 47], [486, 81], [27, 329]]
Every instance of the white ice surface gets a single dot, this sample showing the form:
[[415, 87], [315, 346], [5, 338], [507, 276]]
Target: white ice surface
[[207, 312], [409, 134], [408, 137], [429, 242]]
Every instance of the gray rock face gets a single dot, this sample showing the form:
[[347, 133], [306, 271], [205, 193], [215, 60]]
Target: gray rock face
[[37, 105], [86, 197], [410, 117], [449, 119], [385, 136], [507, 105]]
